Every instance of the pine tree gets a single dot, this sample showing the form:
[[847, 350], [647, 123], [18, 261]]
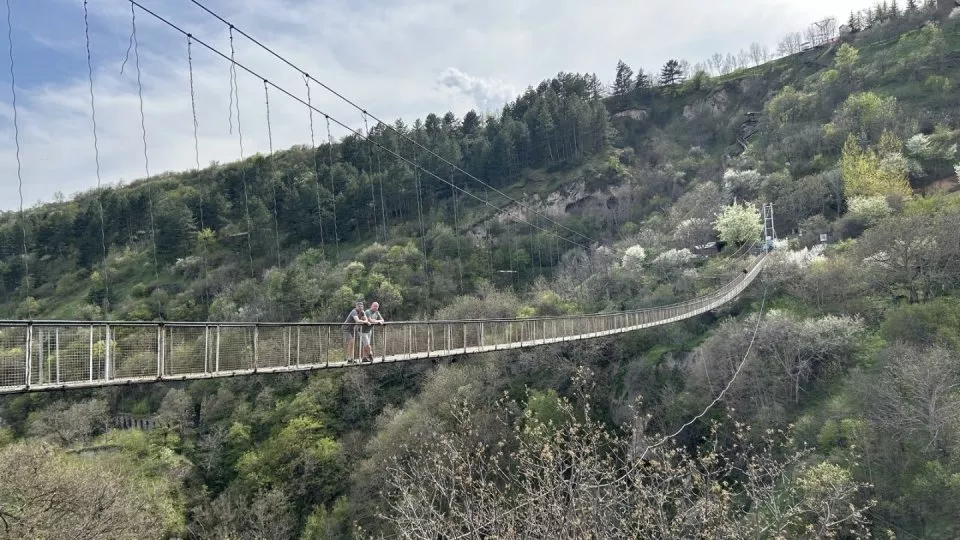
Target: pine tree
[[912, 6], [594, 86], [471, 123], [894, 11], [854, 22], [623, 82], [642, 81], [671, 74]]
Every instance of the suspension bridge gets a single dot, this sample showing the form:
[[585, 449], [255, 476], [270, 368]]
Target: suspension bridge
[[49, 355], [42, 355]]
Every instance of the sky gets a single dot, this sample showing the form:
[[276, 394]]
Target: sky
[[396, 59]]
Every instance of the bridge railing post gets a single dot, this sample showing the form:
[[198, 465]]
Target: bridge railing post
[[206, 348], [56, 347], [38, 346], [106, 356], [256, 340], [90, 350], [28, 353], [161, 349], [289, 332]]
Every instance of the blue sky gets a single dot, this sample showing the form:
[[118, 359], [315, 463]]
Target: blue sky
[[400, 58]]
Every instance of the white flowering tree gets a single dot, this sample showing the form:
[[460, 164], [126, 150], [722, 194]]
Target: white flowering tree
[[933, 153], [870, 209], [633, 258], [741, 183], [670, 264], [738, 224], [693, 232]]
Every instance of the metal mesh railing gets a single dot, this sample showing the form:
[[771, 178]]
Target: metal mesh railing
[[44, 355]]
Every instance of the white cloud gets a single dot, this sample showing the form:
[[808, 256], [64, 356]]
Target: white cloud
[[489, 95], [398, 59]]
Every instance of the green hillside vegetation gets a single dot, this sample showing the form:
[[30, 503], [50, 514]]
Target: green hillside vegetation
[[843, 420]]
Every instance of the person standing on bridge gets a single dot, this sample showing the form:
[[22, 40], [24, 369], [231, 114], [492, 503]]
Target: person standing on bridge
[[366, 332], [355, 318]]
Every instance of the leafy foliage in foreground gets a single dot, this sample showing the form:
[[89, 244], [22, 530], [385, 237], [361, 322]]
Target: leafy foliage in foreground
[[551, 470]]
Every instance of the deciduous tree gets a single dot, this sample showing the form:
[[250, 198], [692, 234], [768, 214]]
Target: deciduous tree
[[738, 224], [558, 473], [864, 171], [45, 493]]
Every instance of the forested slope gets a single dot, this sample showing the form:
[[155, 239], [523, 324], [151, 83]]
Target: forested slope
[[840, 368]]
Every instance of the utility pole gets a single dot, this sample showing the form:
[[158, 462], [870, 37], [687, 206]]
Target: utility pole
[[769, 232]]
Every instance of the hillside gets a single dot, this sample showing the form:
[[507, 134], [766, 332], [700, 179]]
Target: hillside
[[840, 369]]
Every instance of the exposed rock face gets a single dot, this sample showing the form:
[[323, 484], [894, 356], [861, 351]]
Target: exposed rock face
[[633, 114], [718, 102], [573, 197]]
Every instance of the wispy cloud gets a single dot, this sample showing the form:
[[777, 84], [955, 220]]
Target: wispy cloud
[[398, 59]]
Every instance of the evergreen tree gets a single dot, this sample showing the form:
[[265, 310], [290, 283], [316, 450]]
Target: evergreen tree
[[449, 122], [175, 231], [471, 123], [912, 6], [671, 74], [854, 22], [643, 81], [894, 11], [623, 82], [594, 87]]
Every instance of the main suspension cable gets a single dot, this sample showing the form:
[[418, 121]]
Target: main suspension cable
[[361, 109], [329, 118], [16, 139], [96, 155]]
